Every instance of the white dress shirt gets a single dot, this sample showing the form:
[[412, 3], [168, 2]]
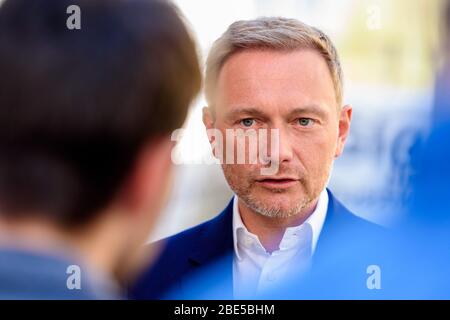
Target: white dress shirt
[[255, 270]]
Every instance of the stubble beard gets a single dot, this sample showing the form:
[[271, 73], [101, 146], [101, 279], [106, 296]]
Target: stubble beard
[[274, 210]]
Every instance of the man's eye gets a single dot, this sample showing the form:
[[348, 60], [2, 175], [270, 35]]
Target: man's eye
[[247, 122], [305, 122]]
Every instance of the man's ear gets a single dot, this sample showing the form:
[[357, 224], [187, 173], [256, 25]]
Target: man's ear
[[208, 119], [345, 119], [215, 137], [148, 182]]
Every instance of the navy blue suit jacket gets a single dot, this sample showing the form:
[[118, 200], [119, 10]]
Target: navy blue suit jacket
[[186, 253]]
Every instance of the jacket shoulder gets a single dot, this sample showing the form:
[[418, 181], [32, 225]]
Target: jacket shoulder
[[344, 217], [187, 237], [173, 256]]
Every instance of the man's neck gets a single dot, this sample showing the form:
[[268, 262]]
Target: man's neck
[[270, 231]]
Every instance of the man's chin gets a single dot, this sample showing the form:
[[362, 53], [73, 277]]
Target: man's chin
[[283, 201]]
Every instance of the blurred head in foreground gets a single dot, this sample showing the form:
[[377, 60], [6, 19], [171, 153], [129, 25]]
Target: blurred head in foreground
[[85, 122]]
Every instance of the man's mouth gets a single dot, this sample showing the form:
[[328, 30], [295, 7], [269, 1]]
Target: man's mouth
[[277, 182]]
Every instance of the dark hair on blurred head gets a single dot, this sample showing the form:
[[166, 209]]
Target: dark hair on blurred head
[[76, 106]]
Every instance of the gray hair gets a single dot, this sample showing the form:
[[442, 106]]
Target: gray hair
[[271, 33]]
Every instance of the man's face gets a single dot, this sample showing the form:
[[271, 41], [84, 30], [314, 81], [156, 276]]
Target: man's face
[[292, 92]]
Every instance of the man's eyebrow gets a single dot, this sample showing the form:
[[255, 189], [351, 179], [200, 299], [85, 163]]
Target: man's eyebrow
[[248, 111], [255, 112], [309, 109]]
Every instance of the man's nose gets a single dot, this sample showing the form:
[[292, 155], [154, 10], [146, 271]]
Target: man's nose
[[285, 146], [281, 146]]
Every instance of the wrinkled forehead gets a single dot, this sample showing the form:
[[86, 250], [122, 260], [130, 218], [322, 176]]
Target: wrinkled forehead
[[274, 82]]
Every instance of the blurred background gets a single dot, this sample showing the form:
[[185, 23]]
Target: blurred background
[[390, 51]]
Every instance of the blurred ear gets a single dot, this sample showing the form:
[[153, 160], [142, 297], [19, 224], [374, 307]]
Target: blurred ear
[[147, 186], [345, 118], [141, 201]]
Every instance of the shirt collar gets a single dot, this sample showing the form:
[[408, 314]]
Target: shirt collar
[[315, 221]]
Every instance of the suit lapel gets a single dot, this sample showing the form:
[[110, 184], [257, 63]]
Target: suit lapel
[[338, 219], [214, 248], [216, 240]]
